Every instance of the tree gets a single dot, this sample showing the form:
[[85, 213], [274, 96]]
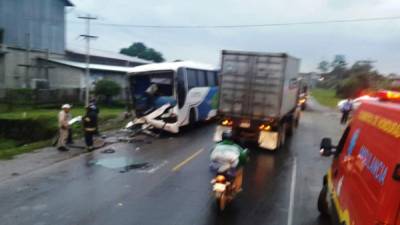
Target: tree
[[339, 61], [107, 89], [140, 50], [323, 66], [360, 79]]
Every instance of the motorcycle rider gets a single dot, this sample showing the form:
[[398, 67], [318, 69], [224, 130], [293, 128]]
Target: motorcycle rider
[[232, 156]]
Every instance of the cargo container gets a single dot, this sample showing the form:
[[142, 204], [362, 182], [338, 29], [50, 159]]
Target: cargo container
[[259, 94]]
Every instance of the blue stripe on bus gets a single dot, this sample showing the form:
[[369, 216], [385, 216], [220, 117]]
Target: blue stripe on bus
[[207, 105]]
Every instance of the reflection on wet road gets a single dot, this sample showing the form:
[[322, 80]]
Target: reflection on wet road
[[167, 181]]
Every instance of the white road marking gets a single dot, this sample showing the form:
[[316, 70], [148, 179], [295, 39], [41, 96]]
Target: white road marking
[[154, 169], [292, 192]]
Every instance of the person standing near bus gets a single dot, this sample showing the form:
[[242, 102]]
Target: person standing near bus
[[63, 118], [90, 126]]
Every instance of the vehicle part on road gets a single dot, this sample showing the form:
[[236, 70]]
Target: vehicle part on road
[[135, 166], [123, 163], [108, 151]]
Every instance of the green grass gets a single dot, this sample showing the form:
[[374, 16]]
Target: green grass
[[326, 97], [10, 148], [10, 151]]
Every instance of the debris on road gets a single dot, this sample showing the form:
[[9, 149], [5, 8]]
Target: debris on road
[[135, 166], [108, 151], [122, 163]]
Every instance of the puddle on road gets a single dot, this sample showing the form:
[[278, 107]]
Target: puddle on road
[[122, 163]]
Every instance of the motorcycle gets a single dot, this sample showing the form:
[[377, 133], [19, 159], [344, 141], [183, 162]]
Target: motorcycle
[[223, 188]]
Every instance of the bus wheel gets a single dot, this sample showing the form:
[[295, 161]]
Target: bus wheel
[[192, 117]]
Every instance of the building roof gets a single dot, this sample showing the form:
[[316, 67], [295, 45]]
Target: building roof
[[172, 66], [109, 54], [80, 65]]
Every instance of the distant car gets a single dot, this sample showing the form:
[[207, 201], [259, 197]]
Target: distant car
[[362, 185]]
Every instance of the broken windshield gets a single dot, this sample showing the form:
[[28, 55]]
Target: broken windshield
[[152, 89]]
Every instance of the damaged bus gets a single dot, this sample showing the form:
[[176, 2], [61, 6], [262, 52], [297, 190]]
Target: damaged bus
[[168, 96]]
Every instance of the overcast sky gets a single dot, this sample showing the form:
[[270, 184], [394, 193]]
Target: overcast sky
[[379, 40]]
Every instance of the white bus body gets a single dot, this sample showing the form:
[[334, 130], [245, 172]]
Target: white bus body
[[187, 92]]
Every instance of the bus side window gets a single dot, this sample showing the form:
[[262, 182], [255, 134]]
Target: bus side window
[[211, 79], [191, 78], [181, 88], [201, 78], [342, 142]]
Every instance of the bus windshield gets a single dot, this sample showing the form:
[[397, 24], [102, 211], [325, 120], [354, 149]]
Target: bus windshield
[[152, 89]]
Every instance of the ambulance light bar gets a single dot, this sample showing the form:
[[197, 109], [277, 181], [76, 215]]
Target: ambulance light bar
[[388, 95]]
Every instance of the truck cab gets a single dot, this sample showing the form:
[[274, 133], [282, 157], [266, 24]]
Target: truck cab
[[362, 186]]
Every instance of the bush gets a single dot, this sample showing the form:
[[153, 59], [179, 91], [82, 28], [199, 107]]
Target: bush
[[106, 89], [27, 130]]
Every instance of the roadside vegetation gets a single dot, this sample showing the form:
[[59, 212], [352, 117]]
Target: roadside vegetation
[[339, 80], [26, 126], [326, 97], [26, 129]]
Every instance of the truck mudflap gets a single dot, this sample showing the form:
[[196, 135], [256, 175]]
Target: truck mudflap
[[218, 132], [268, 140]]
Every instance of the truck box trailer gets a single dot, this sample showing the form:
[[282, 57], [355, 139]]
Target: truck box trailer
[[258, 98]]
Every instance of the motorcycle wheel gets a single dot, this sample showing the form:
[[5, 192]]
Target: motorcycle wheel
[[221, 203]]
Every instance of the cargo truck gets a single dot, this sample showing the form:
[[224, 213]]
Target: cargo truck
[[258, 98]]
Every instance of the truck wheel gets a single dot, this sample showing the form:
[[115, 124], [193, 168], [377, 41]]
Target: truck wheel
[[322, 201], [290, 128], [296, 121], [282, 136]]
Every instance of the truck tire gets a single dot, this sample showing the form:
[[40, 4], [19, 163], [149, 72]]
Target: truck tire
[[322, 201], [290, 127], [296, 121], [282, 136]]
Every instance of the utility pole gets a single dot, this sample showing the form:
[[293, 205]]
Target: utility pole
[[87, 37]]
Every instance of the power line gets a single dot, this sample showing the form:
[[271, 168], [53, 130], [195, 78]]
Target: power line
[[239, 26]]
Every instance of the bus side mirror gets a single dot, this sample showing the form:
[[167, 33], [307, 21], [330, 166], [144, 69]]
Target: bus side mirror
[[326, 147]]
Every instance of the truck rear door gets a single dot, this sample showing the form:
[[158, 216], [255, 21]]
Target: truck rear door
[[251, 85]]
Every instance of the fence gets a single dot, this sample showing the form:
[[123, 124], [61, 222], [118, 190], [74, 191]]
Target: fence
[[29, 97], [48, 97]]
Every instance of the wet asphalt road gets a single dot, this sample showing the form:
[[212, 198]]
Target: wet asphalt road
[[168, 183]]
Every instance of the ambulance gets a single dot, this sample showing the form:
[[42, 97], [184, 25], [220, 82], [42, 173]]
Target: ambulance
[[362, 186]]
